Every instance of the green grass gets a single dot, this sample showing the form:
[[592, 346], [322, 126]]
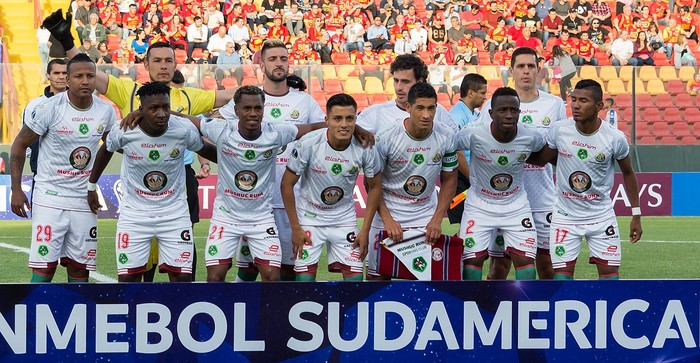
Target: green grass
[[668, 250]]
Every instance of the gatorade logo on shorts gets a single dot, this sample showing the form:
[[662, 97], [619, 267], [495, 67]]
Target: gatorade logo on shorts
[[271, 231], [351, 237], [93, 232], [549, 217], [185, 235], [610, 231], [527, 223]]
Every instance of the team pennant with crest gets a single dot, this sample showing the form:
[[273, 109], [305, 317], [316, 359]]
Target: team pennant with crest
[[413, 259]]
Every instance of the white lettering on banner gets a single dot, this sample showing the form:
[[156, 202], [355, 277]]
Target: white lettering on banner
[[334, 334], [306, 326], [240, 344], [674, 312], [381, 309], [17, 339], [651, 189], [45, 323], [525, 322], [501, 321], [146, 326], [617, 324], [575, 327], [206, 191], [103, 328], [185, 320], [437, 313]]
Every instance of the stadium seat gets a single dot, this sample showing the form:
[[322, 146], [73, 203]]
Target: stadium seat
[[333, 86], [685, 101], [209, 83], [389, 86], [319, 97], [180, 56], [361, 100], [686, 73], [608, 73], [681, 129], [692, 117], [373, 85], [646, 140], [656, 87], [667, 73], [315, 85], [663, 101], [651, 114], [340, 58], [623, 101], [378, 98], [675, 87], [615, 87], [660, 129], [353, 85], [626, 73], [639, 88], [329, 72], [345, 70], [444, 100], [669, 140], [588, 72], [647, 73], [197, 53], [673, 115], [249, 81], [491, 73], [627, 114], [689, 140], [229, 83], [644, 101]]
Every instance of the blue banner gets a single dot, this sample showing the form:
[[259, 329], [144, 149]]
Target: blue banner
[[685, 188], [505, 321]]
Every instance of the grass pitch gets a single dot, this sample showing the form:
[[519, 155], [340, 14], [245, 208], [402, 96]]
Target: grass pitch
[[668, 250]]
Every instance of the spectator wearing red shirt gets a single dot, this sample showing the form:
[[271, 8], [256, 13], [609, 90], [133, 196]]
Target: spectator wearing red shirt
[[491, 16], [529, 42], [410, 17], [251, 12], [111, 19], [438, 39], [338, 40], [497, 38], [317, 31], [687, 23], [131, 21], [467, 49], [235, 13], [516, 31], [646, 17], [301, 41], [396, 30], [566, 43], [624, 21], [176, 33], [585, 51], [170, 12], [334, 20], [659, 10], [310, 17], [551, 26], [636, 28], [123, 60], [519, 8], [472, 21], [278, 31], [370, 64]]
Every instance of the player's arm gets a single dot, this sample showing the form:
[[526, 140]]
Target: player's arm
[[102, 159], [223, 96], [18, 156], [462, 164], [448, 189], [299, 237], [542, 157], [629, 179], [303, 129], [374, 195], [208, 151]]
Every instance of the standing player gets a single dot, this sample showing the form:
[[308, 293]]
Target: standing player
[[71, 126], [329, 161], [538, 110], [498, 200], [243, 205], [585, 148], [152, 175], [56, 74], [413, 153]]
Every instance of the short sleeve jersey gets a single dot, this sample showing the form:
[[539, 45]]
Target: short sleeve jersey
[[538, 115], [585, 171], [328, 179], [295, 107], [496, 169], [153, 179], [246, 169], [69, 140], [376, 118], [410, 169]]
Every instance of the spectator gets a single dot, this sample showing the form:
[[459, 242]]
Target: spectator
[[437, 75], [687, 23], [228, 64], [583, 10], [472, 21], [598, 35], [196, 36], [542, 8], [694, 85], [611, 116], [655, 39], [217, 43], [170, 12], [622, 50], [457, 73], [300, 42], [152, 12], [410, 16], [643, 51], [506, 63], [551, 26], [111, 18], [467, 49], [131, 21], [492, 16], [139, 46], [338, 40], [190, 72], [176, 34], [250, 9], [294, 19], [496, 39], [310, 60], [377, 34], [195, 11], [519, 8], [567, 68], [368, 8], [205, 64], [353, 33], [533, 22], [213, 17], [420, 35], [235, 14], [659, 10], [624, 20], [566, 43], [123, 60], [88, 49], [405, 45], [317, 31], [636, 28], [542, 78], [310, 17], [438, 39], [646, 18], [150, 29], [334, 20], [572, 24], [601, 11], [324, 48], [670, 36], [516, 31], [239, 31], [368, 58], [585, 51], [388, 15], [104, 61], [562, 8], [682, 56], [94, 31], [455, 33], [82, 17], [397, 28]]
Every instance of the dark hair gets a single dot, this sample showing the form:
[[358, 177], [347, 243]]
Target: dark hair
[[248, 90], [130, 5], [155, 46], [421, 90], [178, 77], [522, 51], [531, 7], [593, 86], [610, 100], [503, 91], [558, 52], [79, 58], [197, 18], [340, 99], [552, 10], [152, 89], [472, 81], [406, 62], [58, 61], [500, 18], [271, 44]]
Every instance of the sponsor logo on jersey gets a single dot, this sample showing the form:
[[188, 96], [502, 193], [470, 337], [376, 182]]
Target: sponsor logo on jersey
[[316, 168], [353, 170], [501, 182], [351, 237], [437, 254], [175, 152], [546, 121], [276, 112], [281, 150], [526, 222], [522, 157], [332, 195], [268, 154], [295, 114], [437, 157], [83, 129], [549, 217], [123, 258], [135, 156], [563, 152], [582, 154], [213, 250], [610, 231], [612, 248], [51, 192], [274, 248], [185, 235], [559, 251], [249, 154], [415, 185], [64, 130], [295, 153], [600, 157], [155, 181], [271, 231], [100, 129], [92, 253], [469, 242], [43, 250], [336, 168], [419, 264], [154, 155], [579, 181], [526, 119], [246, 180], [184, 257], [93, 232], [418, 159], [80, 158], [309, 215]]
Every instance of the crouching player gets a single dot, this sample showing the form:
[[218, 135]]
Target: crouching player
[[585, 148], [497, 200], [330, 161], [154, 203]]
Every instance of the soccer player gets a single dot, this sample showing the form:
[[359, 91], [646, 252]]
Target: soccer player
[[153, 205], [413, 153], [70, 127], [330, 161], [56, 75], [243, 205], [538, 110], [585, 149], [498, 200]]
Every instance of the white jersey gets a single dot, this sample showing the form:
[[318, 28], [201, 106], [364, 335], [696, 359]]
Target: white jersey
[[69, 140], [496, 169], [410, 169], [296, 107], [246, 169], [328, 180], [585, 171], [153, 179], [538, 114], [378, 117]]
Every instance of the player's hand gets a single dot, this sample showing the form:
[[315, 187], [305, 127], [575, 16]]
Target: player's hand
[[635, 229], [362, 241], [299, 240], [18, 203], [393, 230], [94, 202], [365, 137], [131, 120], [297, 82], [204, 171], [433, 231], [60, 28]]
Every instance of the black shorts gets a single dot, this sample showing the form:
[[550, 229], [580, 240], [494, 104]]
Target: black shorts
[[192, 187], [455, 214]]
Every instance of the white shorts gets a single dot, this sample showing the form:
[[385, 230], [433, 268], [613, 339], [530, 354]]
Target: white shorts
[[65, 234], [262, 243], [341, 255], [542, 222], [175, 242], [603, 240], [478, 229], [284, 234]]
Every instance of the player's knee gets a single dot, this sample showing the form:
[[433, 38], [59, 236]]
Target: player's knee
[[269, 273], [287, 273], [179, 277]]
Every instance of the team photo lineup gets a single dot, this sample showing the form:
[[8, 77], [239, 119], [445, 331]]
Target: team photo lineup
[[526, 184]]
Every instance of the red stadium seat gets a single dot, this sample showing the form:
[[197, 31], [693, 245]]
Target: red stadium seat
[[444, 100], [644, 101], [623, 101], [646, 140], [333, 86], [381, 98], [669, 140], [229, 83], [685, 100], [692, 117], [650, 115], [676, 87], [197, 53], [681, 129], [361, 100], [209, 83], [672, 115], [689, 140], [660, 129], [664, 101], [340, 58], [660, 59]]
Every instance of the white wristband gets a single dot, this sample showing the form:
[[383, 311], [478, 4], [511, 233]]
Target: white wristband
[[636, 211], [92, 187]]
